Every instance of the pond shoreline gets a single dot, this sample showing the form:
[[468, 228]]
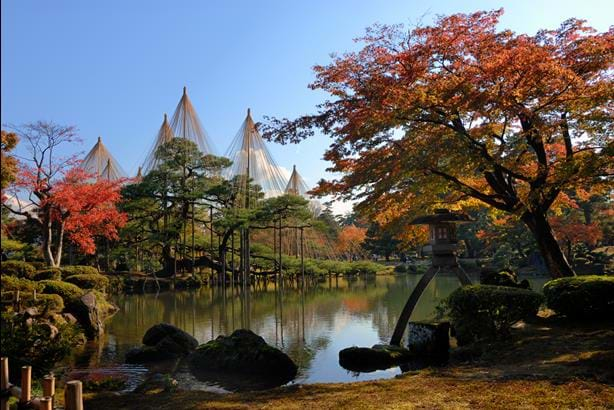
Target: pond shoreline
[[546, 363]]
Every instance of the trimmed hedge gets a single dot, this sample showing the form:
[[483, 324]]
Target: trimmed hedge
[[11, 283], [45, 302], [505, 277], [38, 265], [79, 270], [486, 312], [67, 291], [48, 274], [581, 297], [19, 269], [89, 281]]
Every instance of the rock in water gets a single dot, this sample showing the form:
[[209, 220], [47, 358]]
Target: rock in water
[[369, 359], [162, 342], [429, 340], [88, 315], [243, 353]]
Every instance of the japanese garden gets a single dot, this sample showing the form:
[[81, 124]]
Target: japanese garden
[[472, 267]]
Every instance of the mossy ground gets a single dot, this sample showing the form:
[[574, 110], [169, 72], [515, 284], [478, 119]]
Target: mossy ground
[[545, 364]]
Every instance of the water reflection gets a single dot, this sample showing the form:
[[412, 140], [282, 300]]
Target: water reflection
[[310, 325]]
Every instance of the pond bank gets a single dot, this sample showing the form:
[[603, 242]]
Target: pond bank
[[548, 363]]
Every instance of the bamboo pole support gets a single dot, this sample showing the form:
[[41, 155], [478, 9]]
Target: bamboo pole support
[[26, 384], [73, 395], [4, 382], [45, 403], [49, 387]]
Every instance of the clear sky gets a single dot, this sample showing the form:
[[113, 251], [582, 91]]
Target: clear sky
[[113, 67]]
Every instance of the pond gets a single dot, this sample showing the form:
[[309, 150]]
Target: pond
[[310, 326]]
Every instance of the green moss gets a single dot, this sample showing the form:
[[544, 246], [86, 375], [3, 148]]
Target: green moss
[[45, 303], [89, 281], [106, 307], [19, 269], [67, 291], [72, 270], [48, 274], [12, 283]]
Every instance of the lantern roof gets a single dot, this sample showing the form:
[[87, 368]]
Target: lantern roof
[[442, 215]]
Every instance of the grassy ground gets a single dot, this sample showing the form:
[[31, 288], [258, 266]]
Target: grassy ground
[[545, 364]]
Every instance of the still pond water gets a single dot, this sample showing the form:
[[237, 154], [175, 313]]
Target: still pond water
[[310, 326]]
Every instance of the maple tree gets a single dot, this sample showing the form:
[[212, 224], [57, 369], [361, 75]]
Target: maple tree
[[459, 111], [60, 198], [350, 241]]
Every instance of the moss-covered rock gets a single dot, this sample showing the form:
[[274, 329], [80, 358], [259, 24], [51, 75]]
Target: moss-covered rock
[[246, 354], [162, 342], [88, 314]]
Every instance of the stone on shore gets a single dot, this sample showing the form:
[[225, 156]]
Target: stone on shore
[[429, 340], [368, 359]]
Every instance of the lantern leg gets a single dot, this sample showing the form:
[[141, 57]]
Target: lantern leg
[[411, 303], [462, 276]]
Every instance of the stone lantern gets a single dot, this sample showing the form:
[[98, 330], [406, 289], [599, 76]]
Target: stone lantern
[[442, 236], [442, 246]]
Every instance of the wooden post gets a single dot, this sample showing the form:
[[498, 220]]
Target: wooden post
[[46, 403], [49, 387], [26, 384], [4, 382], [302, 261], [73, 395]]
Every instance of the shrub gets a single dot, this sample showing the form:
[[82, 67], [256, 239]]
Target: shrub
[[19, 269], [365, 267], [89, 281], [400, 268], [11, 283], [38, 265], [31, 344], [67, 291], [79, 270], [505, 277], [45, 302], [48, 274], [486, 312], [581, 296]]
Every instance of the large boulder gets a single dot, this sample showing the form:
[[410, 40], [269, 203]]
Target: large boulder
[[243, 353], [87, 312], [162, 342]]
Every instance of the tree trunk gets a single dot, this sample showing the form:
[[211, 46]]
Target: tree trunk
[[58, 255], [550, 250], [48, 240]]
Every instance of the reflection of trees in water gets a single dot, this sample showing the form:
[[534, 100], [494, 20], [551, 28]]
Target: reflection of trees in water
[[299, 323]]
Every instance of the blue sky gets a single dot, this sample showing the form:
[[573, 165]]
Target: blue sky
[[113, 68]]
